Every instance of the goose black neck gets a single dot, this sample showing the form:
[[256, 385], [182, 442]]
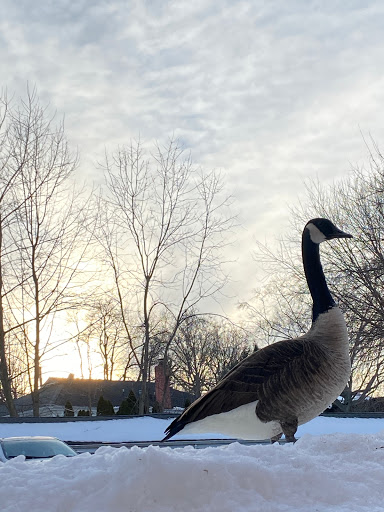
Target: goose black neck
[[321, 296]]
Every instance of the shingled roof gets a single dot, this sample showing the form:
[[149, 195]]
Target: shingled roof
[[84, 392]]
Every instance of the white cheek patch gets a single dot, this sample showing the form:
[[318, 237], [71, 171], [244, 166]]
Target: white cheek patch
[[315, 234]]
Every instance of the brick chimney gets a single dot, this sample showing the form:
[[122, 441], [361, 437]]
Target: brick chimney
[[162, 388]]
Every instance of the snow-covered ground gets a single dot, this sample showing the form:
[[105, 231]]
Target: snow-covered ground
[[337, 465], [152, 429]]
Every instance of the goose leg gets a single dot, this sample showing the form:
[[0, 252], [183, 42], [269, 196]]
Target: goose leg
[[276, 438], [289, 429]]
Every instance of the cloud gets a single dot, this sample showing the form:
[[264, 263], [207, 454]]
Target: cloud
[[271, 92]]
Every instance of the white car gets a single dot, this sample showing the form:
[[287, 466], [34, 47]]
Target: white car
[[33, 447]]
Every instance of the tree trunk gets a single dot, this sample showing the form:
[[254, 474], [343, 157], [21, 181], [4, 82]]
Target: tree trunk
[[143, 399], [4, 376], [36, 379]]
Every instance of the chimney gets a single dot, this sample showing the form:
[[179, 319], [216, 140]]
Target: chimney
[[162, 388]]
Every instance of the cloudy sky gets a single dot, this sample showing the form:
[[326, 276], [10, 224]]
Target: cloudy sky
[[270, 92]]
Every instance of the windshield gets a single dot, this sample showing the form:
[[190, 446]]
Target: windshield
[[35, 448]]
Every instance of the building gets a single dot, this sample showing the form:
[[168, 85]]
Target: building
[[84, 394]]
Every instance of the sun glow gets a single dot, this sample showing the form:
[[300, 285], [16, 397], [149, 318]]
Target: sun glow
[[64, 355]]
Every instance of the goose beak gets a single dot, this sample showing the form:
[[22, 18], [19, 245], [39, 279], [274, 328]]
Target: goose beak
[[339, 234]]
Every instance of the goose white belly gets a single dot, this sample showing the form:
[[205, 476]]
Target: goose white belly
[[241, 423]]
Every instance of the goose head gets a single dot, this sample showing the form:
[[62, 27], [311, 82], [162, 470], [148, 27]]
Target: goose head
[[323, 229]]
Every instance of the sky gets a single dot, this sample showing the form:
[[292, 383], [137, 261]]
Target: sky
[[337, 465], [271, 94]]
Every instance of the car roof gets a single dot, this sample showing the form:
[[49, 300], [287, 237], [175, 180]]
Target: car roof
[[29, 438]]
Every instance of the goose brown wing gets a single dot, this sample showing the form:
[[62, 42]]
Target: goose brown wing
[[245, 383]]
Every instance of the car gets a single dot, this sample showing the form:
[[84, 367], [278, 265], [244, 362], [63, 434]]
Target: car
[[33, 447]]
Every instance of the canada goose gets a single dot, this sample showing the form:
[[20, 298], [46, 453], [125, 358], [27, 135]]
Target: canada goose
[[288, 383]]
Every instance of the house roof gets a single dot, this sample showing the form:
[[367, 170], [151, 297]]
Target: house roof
[[84, 392]]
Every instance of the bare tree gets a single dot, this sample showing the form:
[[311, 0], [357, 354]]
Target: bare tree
[[82, 338], [193, 354], [47, 235], [8, 176], [168, 225], [104, 334], [231, 345], [14, 157], [355, 271], [108, 324], [204, 350]]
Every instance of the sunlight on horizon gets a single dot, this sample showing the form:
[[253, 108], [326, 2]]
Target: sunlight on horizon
[[68, 362]]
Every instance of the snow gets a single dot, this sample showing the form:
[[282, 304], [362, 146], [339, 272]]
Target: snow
[[337, 465], [152, 429]]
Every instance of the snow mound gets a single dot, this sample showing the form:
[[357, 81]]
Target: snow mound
[[335, 472]]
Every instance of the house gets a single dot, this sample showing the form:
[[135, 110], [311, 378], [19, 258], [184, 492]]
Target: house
[[85, 393]]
